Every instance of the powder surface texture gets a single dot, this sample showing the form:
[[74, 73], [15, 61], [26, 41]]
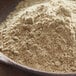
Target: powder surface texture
[[43, 36]]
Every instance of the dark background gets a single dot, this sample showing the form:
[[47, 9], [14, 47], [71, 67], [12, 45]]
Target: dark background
[[6, 6], [6, 70]]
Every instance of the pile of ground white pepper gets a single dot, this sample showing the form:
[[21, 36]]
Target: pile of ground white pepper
[[42, 36]]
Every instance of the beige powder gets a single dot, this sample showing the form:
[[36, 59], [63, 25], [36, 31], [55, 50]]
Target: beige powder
[[43, 37]]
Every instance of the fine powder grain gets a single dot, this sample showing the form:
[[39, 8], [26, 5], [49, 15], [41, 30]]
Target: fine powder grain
[[43, 37]]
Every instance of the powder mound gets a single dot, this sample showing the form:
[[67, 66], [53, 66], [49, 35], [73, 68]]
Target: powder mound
[[43, 37]]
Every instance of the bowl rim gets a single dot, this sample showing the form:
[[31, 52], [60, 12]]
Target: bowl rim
[[8, 61]]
